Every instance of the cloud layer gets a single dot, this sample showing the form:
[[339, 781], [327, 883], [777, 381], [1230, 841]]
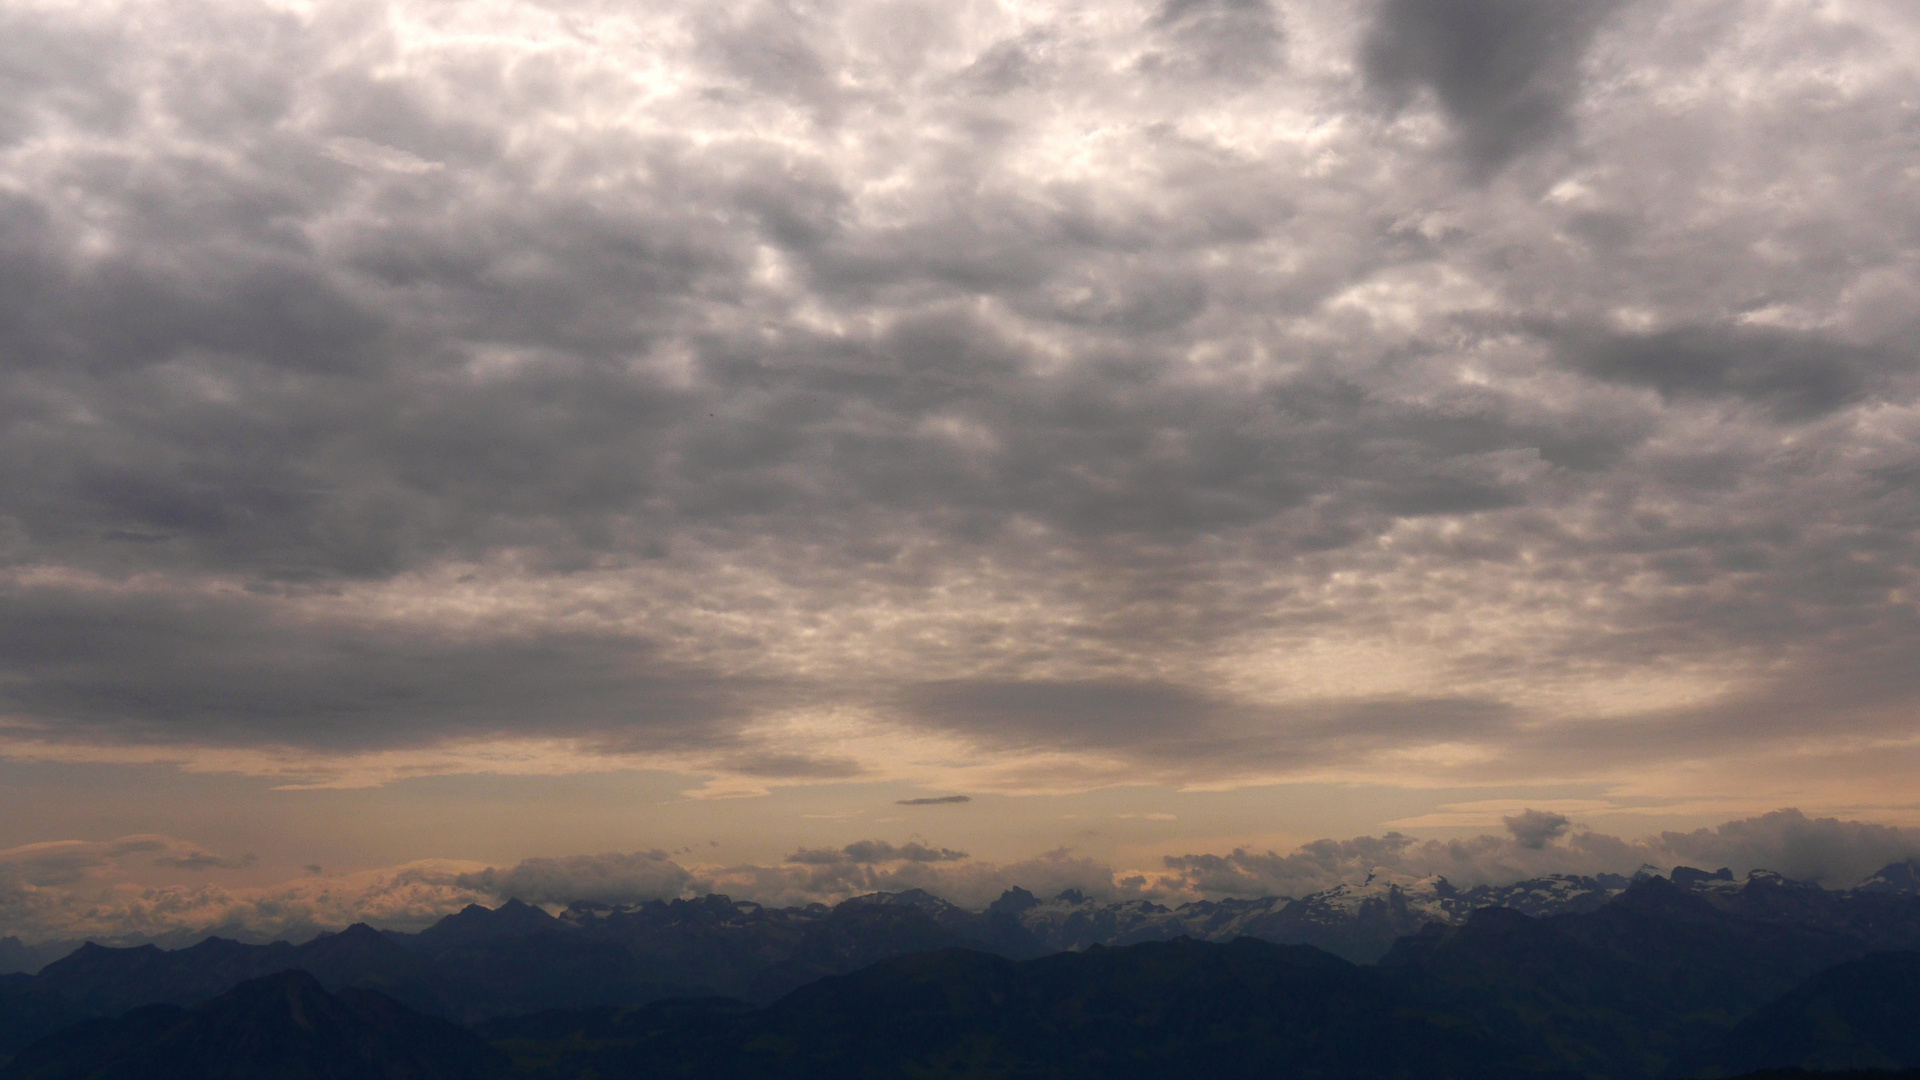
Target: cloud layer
[[69, 891], [1017, 397]]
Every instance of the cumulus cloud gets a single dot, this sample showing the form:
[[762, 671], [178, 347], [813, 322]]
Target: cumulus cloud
[[609, 879], [1816, 849], [1535, 829]]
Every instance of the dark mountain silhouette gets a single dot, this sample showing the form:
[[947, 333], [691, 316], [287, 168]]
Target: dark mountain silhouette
[[284, 1026], [1628, 989], [517, 958], [1900, 877], [105, 981], [1179, 1008], [1617, 980], [1842, 1074], [1859, 1015], [15, 957], [29, 1012], [476, 925]]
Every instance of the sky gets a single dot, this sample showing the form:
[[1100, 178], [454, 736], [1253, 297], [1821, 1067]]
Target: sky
[[459, 449]]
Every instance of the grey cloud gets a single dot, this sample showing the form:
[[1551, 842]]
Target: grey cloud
[[610, 878], [1505, 71], [1167, 725], [1793, 376], [879, 851], [202, 860], [934, 800], [1213, 38], [1823, 849], [872, 852], [166, 668], [1834, 852], [1315, 866], [1535, 829], [53, 868], [282, 318], [830, 876], [65, 867]]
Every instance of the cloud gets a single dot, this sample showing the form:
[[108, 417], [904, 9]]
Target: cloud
[[105, 891], [934, 800], [868, 852], [1091, 394], [201, 860], [1506, 72], [1808, 848], [609, 879], [1535, 829], [1834, 852], [1237, 39], [72, 890], [1795, 376]]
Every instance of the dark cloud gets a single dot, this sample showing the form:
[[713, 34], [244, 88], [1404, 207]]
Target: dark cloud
[[1535, 829], [872, 852], [611, 878], [1834, 852], [934, 800], [235, 670], [1795, 377], [1824, 849], [1506, 72], [202, 860]]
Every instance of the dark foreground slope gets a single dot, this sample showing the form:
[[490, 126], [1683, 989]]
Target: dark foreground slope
[[1168, 1009], [29, 1012], [1860, 1015], [283, 1027], [1648, 981]]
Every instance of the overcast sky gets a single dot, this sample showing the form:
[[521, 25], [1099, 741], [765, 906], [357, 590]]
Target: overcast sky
[[507, 429]]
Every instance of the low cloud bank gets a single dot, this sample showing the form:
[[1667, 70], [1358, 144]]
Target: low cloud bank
[[608, 879], [1827, 850], [68, 891], [71, 891]]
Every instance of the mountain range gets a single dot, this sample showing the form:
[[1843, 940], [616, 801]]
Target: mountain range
[[1693, 974]]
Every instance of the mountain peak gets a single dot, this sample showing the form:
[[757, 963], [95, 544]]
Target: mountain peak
[[1895, 877], [1013, 902], [1686, 876]]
